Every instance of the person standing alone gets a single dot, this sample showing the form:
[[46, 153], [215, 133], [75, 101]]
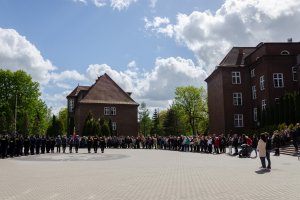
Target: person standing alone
[[261, 147]]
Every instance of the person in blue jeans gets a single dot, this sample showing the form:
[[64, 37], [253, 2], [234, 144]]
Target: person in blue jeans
[[268, 149]]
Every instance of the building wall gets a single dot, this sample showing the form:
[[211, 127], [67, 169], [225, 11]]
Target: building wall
[[216, 103], [125, 118], [266, 60], [231, 109]]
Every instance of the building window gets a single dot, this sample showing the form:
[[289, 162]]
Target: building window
[[252, 73], [285, 52], [114, 126], [236, 77], [113, 110], [237, 99], [71, 105], [262, 82], [255, 114], [263, 104], [253, 92], [295, 73], [238, 120], [278, 80], [106, 110]]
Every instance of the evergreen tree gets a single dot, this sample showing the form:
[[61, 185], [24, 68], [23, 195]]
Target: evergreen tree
[[292, 108], [281, 110], [155, 130], [171, 123], [144, 119], [286, 109], [88, 125], [297, 107], [105, 129]]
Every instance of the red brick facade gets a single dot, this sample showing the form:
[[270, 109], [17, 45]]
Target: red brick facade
[[104, 99], [267, 69]]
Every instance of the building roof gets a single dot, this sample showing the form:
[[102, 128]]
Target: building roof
[[76, 91], [105, 90], [236, 56]]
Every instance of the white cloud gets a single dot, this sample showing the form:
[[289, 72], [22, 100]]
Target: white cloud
[[152, 3], [159, 25], [67, 75], [121, 4], [114, 4], [236, 23], [56, 101], [99, 3], [17, 52], [81, 1], [156, 87]]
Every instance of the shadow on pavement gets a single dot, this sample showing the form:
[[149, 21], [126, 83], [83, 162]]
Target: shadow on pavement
[[263, 171]]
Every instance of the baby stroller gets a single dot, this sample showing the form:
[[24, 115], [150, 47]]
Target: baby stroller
[[245, 152]]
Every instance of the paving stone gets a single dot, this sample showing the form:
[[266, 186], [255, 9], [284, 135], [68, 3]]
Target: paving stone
[[120, 174]]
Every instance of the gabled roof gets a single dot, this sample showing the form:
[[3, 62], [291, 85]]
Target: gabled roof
[[236, 56], [76, 91], [105, 90]]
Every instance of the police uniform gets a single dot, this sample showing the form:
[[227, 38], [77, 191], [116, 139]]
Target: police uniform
[[26, 146], [89, 144], [95, 144], [4, 145]]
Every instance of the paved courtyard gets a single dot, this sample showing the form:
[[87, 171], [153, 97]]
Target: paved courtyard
[[147, 174]]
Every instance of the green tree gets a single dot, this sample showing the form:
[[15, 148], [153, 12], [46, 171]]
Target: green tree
[[63, 117], [192, 101], [19, 95], [144, 119], [88, 125], [171, 122], [105, 129], [55, 128], [297, 107], [155, 129]]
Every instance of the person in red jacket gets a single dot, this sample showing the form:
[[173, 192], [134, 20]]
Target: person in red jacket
[[217, 145]]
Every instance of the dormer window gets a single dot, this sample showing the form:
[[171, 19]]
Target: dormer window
[[285, 52]]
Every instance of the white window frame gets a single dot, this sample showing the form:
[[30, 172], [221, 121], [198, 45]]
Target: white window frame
[[255, 114], [238, 120], [295, 73], [113, 111], [71, 105], [237, 99], [252, 72], [278, 81], [236, 77], [106, 110], [114, 126], [254, 92], [262, 82], [263, 104]]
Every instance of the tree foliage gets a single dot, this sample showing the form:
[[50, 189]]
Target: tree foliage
[[63, 117], [20, 100], [192, 102], [144, 119]]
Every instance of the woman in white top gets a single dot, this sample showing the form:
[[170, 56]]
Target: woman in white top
[[261, 147]]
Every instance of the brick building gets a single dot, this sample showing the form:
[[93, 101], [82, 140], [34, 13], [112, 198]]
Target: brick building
[[249, 79], [104, 99]]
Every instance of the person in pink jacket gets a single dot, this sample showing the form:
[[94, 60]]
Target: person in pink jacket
[[261, 147]]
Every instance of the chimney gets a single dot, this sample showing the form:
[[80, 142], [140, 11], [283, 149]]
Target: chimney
[[129, 93], [290, 40]]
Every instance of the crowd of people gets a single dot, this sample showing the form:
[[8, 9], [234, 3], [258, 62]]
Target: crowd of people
[[242, 145]]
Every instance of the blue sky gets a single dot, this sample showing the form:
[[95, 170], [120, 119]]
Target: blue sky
[[148, 47]]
